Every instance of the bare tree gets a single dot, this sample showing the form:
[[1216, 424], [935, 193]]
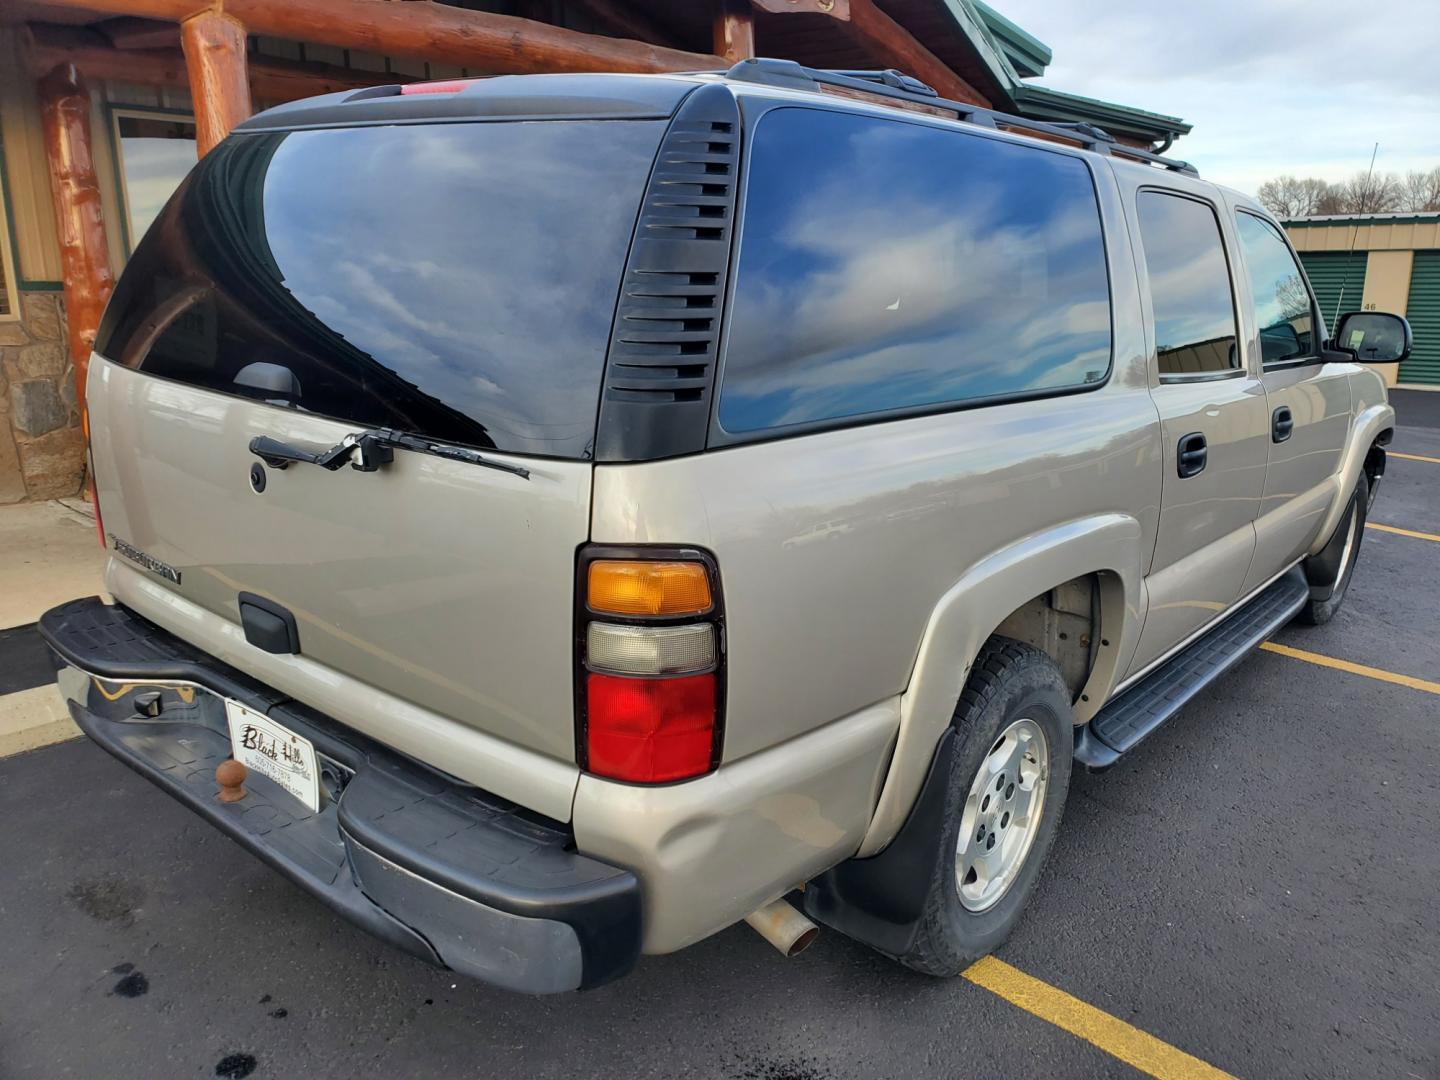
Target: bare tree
[[1331, 200], [1285, 197], [1371, 193], [1290, 197], [1315, 193], [1364, 193], [1420, 191]]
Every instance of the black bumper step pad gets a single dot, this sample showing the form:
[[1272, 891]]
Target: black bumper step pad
[[449, 835]]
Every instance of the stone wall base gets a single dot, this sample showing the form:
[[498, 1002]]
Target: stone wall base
[[42, 449]]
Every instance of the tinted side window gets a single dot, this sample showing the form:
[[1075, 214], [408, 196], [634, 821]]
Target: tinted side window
[[888, 265], [1189, 285], [453, 280], [1283, 308]]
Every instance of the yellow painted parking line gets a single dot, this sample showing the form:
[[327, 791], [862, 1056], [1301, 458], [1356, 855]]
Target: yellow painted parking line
[[1402, 532], [1412, 457], [1110, 1034], [1354, 669]]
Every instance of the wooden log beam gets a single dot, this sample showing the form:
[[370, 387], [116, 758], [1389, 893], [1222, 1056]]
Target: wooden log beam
[[625, 19], [214, 46], [79, 220], [502, 44], [128, 33], [734, 30], [271, 78], [896, 47], [882, 37], [839, 9]]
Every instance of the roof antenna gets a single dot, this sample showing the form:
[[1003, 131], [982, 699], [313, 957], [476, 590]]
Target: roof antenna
[[1354, 233]]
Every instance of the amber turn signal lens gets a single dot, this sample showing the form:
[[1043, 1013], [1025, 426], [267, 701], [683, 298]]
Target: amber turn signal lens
[[648, 588]]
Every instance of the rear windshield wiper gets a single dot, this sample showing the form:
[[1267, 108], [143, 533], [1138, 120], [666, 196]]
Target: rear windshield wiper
[[370, 450]]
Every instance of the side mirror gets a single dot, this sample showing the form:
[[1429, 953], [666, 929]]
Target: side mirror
[[1374, 337], [1280, 342]]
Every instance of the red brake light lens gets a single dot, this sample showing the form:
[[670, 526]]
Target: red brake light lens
[[442, 86], [650, 730]]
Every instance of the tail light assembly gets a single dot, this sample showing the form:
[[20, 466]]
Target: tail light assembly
[[650, 663]]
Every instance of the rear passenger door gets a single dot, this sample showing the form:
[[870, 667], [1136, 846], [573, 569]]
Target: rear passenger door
[[1308, 399], [1214, 422]]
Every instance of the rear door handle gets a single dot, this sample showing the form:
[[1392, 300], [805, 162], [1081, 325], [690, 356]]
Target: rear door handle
[[1190, 455], [1282, 424]]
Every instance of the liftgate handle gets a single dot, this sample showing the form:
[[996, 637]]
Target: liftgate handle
[[370, 453]]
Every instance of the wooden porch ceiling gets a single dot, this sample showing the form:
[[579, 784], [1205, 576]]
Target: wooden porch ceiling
[[271, 78], [618, 35], [503, 44]]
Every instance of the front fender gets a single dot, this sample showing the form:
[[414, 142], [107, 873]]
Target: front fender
[[1369, 423], [967, 615]]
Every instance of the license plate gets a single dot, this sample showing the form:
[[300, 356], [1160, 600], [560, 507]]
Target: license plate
[[274, 751]]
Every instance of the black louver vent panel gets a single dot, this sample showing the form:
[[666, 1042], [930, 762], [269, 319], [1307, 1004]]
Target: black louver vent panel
[[661, 365]]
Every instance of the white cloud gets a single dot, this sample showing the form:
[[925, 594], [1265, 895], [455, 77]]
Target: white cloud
[[1275, 86]]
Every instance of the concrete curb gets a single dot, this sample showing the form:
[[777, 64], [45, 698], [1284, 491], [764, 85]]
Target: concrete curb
[[34, 718]]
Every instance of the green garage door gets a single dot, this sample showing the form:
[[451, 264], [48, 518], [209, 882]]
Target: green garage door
[[1330, 272], [1423, 311]]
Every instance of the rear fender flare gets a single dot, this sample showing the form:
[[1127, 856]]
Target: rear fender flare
[[966, 616]]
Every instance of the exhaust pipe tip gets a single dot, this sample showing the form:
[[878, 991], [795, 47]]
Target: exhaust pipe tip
[[784, 927], [804, 941]]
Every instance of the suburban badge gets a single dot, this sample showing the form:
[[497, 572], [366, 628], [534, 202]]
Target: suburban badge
[[149, 562]]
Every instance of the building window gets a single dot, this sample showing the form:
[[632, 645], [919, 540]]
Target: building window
[[155, 152]]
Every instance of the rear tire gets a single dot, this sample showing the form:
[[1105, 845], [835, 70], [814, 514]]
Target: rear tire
[[1014, 739], [1343, 552]]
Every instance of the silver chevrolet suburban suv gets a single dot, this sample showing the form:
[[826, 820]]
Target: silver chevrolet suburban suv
[[555, 518]]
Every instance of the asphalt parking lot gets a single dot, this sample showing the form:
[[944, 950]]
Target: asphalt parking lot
[[1255, 888]]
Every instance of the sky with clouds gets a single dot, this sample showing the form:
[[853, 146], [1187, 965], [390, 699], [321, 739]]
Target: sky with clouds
[[1305, 87]]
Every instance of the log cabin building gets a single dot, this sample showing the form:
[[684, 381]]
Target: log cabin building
[[105, 104]]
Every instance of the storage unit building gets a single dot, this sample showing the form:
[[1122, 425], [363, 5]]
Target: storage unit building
[[1379, 262]]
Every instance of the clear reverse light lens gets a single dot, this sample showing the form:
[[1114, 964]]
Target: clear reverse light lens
[[646, 650]]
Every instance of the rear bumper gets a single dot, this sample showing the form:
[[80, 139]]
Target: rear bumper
[[451, 874]]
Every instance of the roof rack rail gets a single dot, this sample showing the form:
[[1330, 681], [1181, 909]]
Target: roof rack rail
[[895, 84]]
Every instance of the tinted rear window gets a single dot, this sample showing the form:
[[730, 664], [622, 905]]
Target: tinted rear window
[[456, 280], [889, 265]]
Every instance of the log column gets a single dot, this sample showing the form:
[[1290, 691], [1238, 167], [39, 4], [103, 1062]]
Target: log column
[[79, 220], [734, 30], [214, 46]]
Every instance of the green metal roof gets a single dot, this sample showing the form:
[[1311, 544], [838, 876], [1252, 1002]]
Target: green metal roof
[[1043, 103], [1403, 217], [1010, 55], [1028, 55]]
